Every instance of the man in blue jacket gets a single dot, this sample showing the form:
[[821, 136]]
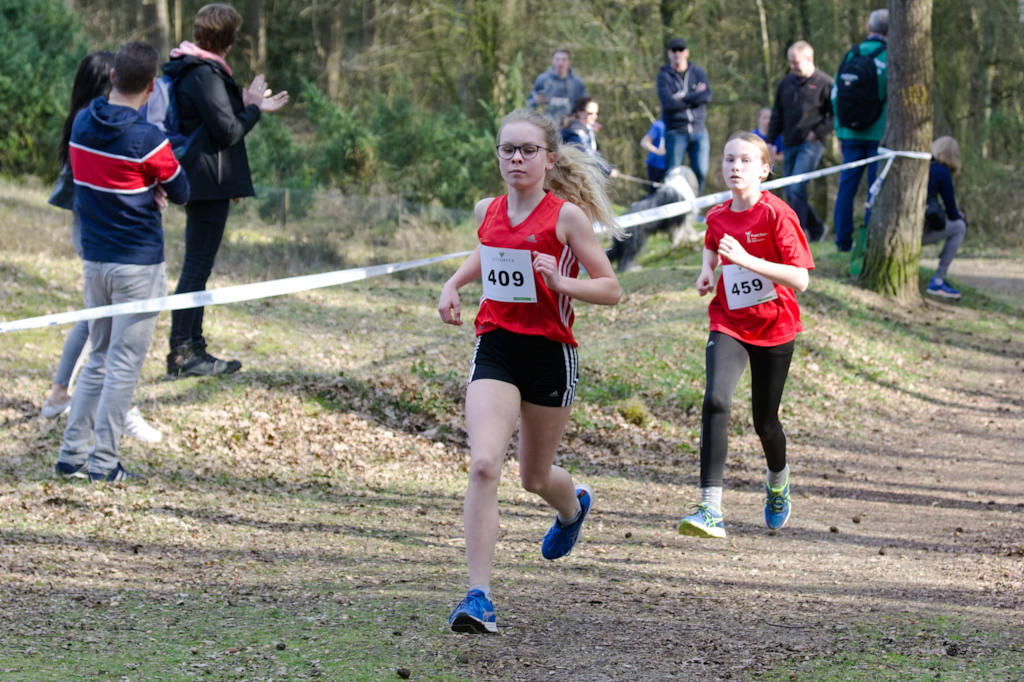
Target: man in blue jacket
[[684, 92], [124, 169]]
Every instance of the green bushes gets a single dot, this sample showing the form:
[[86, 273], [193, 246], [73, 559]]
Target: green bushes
[[39, 53], [391, 147]]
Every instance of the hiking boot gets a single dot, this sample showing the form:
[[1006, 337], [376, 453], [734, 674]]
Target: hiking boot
[[137, 427], [474, 614], [117, 475], [705, 522], [187, 361], [776, 506], [560, 539]]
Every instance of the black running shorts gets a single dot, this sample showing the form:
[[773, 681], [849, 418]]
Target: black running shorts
[[544, 371]]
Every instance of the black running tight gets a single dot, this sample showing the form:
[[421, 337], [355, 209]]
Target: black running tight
[[769, 365]]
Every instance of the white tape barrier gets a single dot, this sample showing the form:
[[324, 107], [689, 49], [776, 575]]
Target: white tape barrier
[[235, 294], [681, 207], [291, 285]]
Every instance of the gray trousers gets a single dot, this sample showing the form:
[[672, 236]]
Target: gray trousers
[[75, 341], [954, 236], [119, 344]]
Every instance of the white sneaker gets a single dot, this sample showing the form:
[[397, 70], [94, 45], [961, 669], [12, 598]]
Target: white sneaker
[[54, 410], [136, 427]]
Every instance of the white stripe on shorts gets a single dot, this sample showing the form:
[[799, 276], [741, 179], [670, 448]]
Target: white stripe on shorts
[[571, 373], [472, 363]]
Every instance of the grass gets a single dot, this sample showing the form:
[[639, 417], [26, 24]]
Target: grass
[[314, 499], [908, 648]]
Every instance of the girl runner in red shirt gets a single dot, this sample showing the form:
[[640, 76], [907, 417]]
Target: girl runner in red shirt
[[755, 317], [532, 243]]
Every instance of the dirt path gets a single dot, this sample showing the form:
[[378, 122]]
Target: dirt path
[[295, 504]]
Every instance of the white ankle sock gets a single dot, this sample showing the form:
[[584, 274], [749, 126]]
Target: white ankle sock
[[778, 479], [486, 589], [579, 510], [712, 496]]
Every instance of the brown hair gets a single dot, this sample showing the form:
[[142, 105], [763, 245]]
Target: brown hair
[[755, 140], [946, 151], [216, 27], [577, 177], [135, 67]]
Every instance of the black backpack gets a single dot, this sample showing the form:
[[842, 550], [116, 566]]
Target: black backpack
[[857, 102]]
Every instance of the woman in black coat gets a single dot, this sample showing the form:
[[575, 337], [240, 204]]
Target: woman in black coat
[[216, 113]]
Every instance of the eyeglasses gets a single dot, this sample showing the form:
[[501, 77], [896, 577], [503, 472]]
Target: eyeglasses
[[678, 49], [528, 151]]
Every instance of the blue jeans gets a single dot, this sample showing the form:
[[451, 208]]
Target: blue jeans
[[696, 145], [119, 345], [849, 180], [803, 158]]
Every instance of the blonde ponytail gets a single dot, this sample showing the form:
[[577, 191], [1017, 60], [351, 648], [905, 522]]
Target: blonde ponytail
[[577, 177]]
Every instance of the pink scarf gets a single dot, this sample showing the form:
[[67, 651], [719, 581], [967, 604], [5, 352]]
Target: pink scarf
[[193, 50]]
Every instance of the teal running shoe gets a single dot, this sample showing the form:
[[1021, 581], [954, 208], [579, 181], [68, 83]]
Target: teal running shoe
[[560, 539], [776, 506], [474, 614], [705, 522]]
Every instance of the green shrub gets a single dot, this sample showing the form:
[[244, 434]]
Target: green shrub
[[39, 52]]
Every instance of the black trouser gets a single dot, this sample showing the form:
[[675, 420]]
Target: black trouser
[[769, 365], [204, 229]]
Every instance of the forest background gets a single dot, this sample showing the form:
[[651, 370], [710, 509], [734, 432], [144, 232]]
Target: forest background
[[403, 98]]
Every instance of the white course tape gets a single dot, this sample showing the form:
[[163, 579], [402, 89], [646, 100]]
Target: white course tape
[[242, 292], [291, 285], [681, 207]]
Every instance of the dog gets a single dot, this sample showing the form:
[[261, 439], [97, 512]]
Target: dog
[[680, 184]]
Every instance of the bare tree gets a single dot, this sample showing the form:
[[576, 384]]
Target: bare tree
[[256, 31], [158, 25], [894, 234]]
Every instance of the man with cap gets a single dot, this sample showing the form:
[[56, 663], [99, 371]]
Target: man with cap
[[684, 92]]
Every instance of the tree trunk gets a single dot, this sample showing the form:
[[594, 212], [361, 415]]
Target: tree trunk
[[157, 26], [256, 31], [333, 42], [766, 52], [894, 234]]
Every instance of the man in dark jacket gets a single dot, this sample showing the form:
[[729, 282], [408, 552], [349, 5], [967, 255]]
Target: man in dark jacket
[[118, 160], [684, 92], [210, 101], [803, 115]]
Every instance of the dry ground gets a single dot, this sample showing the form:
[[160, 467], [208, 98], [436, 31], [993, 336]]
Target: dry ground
[[302, 518]]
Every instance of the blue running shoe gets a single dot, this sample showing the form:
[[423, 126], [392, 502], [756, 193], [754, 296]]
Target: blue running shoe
[[776, 506], [70, 471], [560, 539], [474, 614], [941, 288], [705, 522]]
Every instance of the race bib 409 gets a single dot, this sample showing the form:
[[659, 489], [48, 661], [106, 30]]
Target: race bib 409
[[507, 275]]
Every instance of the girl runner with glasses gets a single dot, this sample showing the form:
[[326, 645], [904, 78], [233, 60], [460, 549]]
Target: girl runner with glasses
[[533, 241], [754, 315]]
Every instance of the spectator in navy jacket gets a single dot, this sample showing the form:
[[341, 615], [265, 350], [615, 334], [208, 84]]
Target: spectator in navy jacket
[[123, 167], [944, 221], [684, 92]]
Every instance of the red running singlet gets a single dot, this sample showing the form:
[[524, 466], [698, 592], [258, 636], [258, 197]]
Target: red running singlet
[[552, 315]]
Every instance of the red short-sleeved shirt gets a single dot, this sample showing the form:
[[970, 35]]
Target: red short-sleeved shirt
[[552, 315], [770, 230]]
